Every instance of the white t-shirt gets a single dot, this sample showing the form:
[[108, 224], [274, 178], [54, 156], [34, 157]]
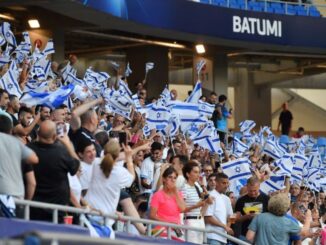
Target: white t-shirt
[[103, 193], [220, 210], [86, 173], [75, 186], [150, 171]]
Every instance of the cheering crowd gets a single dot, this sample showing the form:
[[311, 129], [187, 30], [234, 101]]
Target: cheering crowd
[[91, 143]]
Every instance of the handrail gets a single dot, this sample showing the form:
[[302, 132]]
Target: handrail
[[286, 3], [55, 208]]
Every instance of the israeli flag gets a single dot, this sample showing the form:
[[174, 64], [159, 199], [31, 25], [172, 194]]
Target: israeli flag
[[312, 179], [302, 147], [166, 95], [71, 78], [206, 109], [128, 70], [246, 126], [124, 86], [208, 139], [68, 69], [158, 117], [270, 149], [24, 48], [237, 169], [148, 66], [172, 128], [115, 65], [322, 183], [9, 80], [300, 161], [41, 69], [285, 165], [192, 126], [95, 81], [200, 65], [81, 92], [136, 102], [274, 183], [119, 101], [51, 99], [49, 48], [4, 60], [184, 109], [36, 86], [2, 40], [314, 160], [238, 147], [195, 94], [7, 34]]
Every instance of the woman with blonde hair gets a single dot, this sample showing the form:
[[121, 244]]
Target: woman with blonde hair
[[274, 227], [109, 178]]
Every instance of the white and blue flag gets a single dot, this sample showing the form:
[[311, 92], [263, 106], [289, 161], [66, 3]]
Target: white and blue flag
[[285, 165], [246, 126], [237, 169], [195, 94], [128, 71], [7, 34], [9, 80], [200, 65], [274, 183], [149, 66]]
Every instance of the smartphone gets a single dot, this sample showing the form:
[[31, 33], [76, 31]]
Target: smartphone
[[122, 136], [61, 129], [206, 196]]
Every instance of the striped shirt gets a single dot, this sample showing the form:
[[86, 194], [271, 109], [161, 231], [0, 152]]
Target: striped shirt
[[191, 198]]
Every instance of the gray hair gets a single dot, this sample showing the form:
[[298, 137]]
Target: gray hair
[[279, 204]]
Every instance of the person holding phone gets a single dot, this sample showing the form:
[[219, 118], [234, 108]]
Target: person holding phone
[[250, 205], [196, 201]]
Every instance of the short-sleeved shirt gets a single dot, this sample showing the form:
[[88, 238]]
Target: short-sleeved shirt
[[167, 207], [260, 204], [272, 229], [220, 210], [150, 171], [51, 172], [12, 152]]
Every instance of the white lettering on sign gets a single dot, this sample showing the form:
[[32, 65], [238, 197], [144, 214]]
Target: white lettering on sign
[[255, 26]]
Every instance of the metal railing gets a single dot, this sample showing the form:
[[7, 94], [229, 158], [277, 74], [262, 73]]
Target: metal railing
[[129, 220], [306, 6]]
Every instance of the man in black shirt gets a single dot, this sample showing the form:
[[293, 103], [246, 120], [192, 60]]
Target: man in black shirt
[[13, 108], [57, 158], [250, 205], [83, 124], [285, 120]]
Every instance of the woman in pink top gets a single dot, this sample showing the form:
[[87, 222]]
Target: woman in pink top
[[168, 203]]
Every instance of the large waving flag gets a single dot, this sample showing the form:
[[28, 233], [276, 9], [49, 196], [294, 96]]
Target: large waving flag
[[285, 165], [246, 126], [314, 160], [237, 169], [274, 183], [24, 48], [300, 161], [173, 126], [158, 116], [206, 109], [96, 81], [68, 69], [51, 99], [271, 150], [238, 147], [208, 139], [7, 34], [195, 94], [9, 80], [312, 179]]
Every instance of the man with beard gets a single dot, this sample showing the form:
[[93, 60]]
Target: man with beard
[[26, 123]]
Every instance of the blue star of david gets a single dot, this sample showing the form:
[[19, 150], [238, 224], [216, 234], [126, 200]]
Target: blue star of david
[[193, 127], [237, 170], [203, 107], [7, 34], [158, 115], [10, 86]]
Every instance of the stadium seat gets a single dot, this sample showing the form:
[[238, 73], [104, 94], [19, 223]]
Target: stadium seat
[[302, 12], [314, 13], [279, 11], [321, 141]]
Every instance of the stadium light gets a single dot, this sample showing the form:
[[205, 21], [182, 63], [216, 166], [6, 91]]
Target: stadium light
[[200, 48], [33, 23]]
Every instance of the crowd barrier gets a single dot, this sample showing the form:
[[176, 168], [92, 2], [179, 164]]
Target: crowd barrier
[[128, 220]]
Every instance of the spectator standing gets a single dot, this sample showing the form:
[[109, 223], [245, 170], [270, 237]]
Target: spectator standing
[[217, 214], [285, 120], [12, 152], [57, 159], [220, 117], [250, 205], [13, 108]]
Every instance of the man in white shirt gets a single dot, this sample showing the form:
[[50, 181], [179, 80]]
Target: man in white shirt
[[150, 169], [217, 214]]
